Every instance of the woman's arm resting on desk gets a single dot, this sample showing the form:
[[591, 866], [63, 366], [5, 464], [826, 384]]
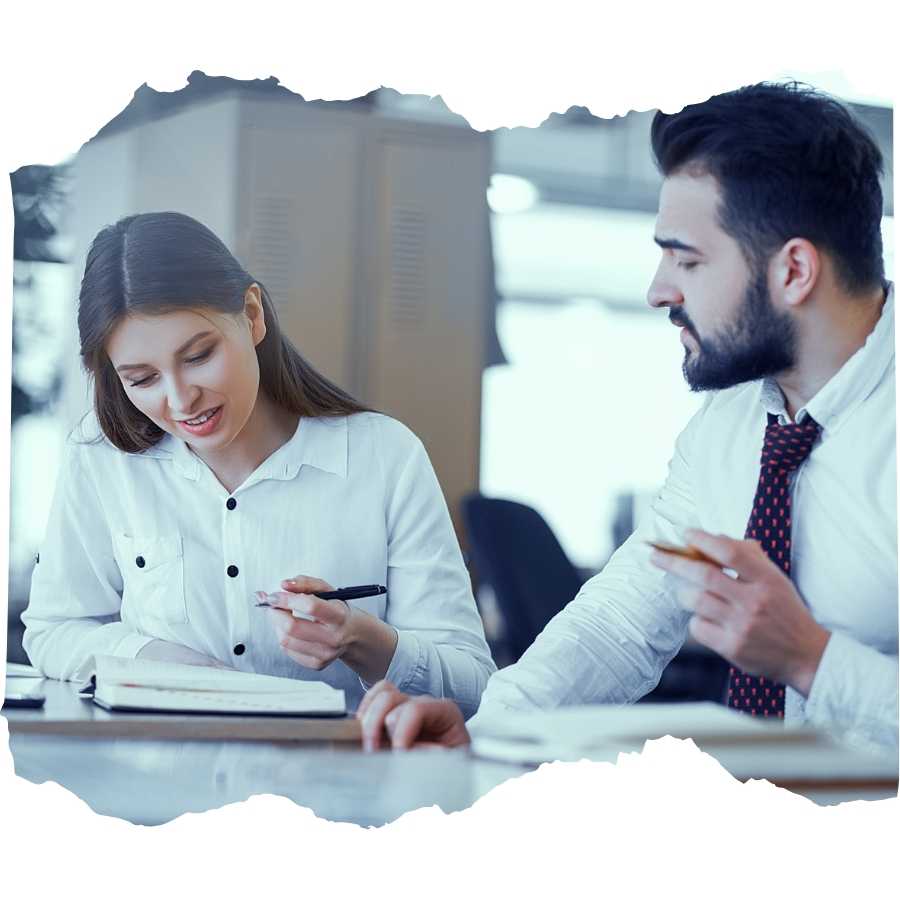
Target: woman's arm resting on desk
[[76, 587], [166, 651]]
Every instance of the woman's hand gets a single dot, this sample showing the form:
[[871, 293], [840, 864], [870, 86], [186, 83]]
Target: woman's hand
[[338, 630], [166, 651]]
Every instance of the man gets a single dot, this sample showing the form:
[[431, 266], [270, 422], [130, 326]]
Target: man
[[769, 225]]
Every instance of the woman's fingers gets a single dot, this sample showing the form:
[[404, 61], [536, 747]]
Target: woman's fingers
[[332, 612], [305, 584]]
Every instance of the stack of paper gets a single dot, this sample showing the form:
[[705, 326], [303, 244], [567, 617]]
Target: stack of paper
[[601, 732]]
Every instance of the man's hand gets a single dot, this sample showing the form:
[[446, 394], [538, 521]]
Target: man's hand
[[757, 620], [409, 721]]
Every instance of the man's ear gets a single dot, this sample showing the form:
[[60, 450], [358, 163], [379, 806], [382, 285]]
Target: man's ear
[[795, 270], [254, 313]]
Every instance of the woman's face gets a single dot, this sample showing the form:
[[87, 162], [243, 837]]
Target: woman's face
[[193, 372]]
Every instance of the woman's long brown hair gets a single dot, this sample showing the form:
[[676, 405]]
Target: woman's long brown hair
[[160, 262]]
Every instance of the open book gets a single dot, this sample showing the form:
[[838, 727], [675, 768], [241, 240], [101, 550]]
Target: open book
[[141, 685]]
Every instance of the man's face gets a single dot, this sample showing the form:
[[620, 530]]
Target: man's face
[[730, 328]]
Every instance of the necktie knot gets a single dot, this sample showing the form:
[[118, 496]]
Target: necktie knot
[[787, 446]]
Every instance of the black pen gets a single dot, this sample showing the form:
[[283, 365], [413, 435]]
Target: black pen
[[348, 593]]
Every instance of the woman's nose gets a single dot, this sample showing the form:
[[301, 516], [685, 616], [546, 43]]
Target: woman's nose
[[181, 397]]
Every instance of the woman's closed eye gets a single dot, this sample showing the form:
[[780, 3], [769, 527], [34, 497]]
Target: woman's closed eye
[[191, 360], [200, 357]]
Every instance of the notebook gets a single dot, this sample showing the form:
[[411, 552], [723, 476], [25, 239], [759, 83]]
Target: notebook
[[20, 670], [140, 685]]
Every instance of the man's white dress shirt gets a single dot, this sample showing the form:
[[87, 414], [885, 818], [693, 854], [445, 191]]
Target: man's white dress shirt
[[612, 642], [144, 546]]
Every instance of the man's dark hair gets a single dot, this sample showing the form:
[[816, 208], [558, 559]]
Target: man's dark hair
[[790, 162]]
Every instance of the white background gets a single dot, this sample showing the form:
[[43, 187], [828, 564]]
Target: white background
[[667, 822]]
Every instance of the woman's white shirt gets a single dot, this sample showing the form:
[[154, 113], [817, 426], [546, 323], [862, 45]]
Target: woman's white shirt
[[147, 546]]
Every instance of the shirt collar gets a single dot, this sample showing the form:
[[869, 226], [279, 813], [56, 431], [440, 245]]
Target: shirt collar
[[318, 442], [321, 443], [850, 385]]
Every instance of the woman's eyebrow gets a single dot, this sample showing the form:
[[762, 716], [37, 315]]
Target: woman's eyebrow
[[200, 334]]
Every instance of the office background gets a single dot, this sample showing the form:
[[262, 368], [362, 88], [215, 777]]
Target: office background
[[503, 274]]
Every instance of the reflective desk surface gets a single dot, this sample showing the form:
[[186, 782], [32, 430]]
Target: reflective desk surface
[[150, 769], [152, 772]]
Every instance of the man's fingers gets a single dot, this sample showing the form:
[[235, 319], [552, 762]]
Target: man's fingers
[[700, 575], [380, 687], [428, 720], [708, 633], [372, 720], [404, 724], [744, 557], [702, 603]]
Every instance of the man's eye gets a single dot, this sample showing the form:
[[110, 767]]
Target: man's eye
[[686, 265]]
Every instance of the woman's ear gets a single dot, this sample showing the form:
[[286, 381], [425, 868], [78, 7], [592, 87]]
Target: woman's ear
[[254, 313]]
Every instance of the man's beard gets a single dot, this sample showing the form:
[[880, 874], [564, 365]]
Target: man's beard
[[760, 342]]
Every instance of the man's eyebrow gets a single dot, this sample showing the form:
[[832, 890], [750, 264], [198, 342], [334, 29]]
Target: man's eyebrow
[[675, 244], [200, 334]]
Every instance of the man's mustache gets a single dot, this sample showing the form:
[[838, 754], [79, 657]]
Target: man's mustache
[[677, 316]]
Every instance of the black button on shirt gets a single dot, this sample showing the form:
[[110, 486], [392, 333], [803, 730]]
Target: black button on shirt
[[239, 649], [231, 503], [140, 562], [232, 571]]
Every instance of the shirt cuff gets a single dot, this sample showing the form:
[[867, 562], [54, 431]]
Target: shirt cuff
[[407, 663], [131, 645], [854, 692]]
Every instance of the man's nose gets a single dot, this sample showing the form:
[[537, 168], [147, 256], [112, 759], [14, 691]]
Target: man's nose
[[663, 293]]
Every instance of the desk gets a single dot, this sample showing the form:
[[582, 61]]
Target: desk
[[201, 762], [151, 779]]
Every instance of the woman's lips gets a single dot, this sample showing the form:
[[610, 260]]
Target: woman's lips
[[207, 427]]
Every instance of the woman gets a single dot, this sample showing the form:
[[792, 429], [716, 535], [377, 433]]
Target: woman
[[223, 465]]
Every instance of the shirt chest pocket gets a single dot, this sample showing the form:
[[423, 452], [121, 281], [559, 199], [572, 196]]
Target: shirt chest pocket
[[153, 575]]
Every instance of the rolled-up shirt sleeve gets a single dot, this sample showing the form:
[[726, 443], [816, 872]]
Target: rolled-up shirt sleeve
[[611, 643], [854, 694], [76, 589], [441, 648]]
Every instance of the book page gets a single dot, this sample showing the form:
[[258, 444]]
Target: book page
[[112, 670]]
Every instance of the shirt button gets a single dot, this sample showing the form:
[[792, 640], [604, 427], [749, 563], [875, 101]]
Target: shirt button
[[239, 649], [231, 503], [232, 571], [140, 562]]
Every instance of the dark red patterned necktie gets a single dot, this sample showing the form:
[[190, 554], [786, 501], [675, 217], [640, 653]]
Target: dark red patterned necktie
[[785, 447]]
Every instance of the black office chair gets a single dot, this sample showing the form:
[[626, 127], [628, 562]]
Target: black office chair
[[516, 553]]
